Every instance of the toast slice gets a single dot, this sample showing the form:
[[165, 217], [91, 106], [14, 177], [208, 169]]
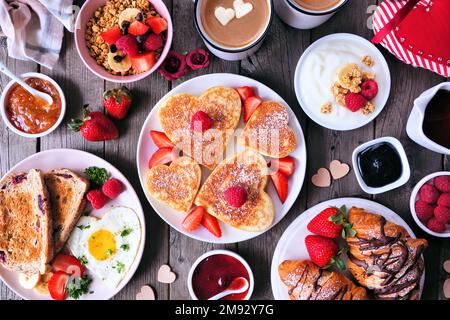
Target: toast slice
[[67, 196], [26, 230]]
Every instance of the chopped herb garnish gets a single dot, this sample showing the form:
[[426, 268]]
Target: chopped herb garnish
[[119, 267], [76, 287], [83, 260], [83, 227], [125, 232], [97, 175], [109, 252], [125, 247]]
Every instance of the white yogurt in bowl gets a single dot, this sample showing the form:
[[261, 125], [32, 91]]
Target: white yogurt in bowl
[[317, 71]]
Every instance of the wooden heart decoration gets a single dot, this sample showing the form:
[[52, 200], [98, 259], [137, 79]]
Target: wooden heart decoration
[[163, 183], [165, 274], [146, 293], [241, 8], [322, 178], [447, 266], [446, 288], [338, 169], [224, 15], [222, 104]]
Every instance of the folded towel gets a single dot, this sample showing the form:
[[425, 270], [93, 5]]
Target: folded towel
[[35, 28]]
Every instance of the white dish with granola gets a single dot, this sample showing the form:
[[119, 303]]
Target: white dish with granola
[[342, 81]]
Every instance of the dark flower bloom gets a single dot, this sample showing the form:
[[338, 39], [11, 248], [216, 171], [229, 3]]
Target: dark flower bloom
[[174, 66], [197, 59]]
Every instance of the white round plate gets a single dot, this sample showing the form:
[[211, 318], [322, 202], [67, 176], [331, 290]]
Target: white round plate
[[77, 161], [292, 243], [196, 87], [380, 69]]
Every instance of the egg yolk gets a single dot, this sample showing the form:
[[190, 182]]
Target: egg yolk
[[102, 244]]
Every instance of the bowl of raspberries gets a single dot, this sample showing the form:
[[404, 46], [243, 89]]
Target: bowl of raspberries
[[123, 41], [430, 204]]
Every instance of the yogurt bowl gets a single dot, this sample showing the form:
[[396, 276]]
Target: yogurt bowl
[[316, 72]]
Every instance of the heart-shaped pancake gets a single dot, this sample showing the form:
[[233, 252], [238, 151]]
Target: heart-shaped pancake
[[221, 104], [248, 170], [176, 184], [268, 132]]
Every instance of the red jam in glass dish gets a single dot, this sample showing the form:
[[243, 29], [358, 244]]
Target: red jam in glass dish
[[28, 114], [215, 273]]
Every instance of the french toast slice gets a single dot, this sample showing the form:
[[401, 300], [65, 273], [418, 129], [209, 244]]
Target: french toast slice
[[26, 230], [247, 169], [67, 196]]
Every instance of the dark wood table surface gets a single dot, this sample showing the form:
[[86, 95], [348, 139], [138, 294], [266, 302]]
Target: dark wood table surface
[[273, 65]]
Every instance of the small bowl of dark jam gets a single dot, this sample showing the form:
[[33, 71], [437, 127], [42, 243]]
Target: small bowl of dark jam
[[214, 271], [381, 165]]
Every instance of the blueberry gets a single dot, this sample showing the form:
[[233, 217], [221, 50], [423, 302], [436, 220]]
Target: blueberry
[[113, 48], [141, 39], [118, 58], [140, 16]]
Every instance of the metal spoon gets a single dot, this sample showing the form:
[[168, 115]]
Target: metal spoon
[[238, 285], [44, 97]]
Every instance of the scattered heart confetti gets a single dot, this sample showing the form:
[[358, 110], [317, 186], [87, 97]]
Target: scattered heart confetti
[[338, 169], [165, 274], [146, 293], [224, 15], [447, 266], [322, 178], [242, 8], [447, 288]]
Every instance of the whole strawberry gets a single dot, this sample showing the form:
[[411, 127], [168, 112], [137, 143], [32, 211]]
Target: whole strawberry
[[331, 223], [323, 251], [117, 102], [94, 126]]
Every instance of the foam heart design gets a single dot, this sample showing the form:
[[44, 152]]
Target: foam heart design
[[224, 15], [338, 169], [165, 274], [241, 8], [146, 293], [322, 178]]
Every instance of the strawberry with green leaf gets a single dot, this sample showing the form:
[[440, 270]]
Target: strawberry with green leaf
[[331, 223], [95, 126], [117, 102], [324, 252]]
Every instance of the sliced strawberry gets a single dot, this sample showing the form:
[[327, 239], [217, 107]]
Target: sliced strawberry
[[137, 28], [143, 62], [162, 156], [68, 264], [157, 24], [245, 92], [112, 35], [57, 285], [281, 185], [160, 139], [285, 165], [210, 222], [193, 219], [153, 42], [250, 105]]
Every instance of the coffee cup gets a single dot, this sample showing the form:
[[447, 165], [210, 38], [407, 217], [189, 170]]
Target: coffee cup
[[233, 29], [307, 14]]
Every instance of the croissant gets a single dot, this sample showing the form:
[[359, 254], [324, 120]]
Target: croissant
[[384, 258], [306, 281]]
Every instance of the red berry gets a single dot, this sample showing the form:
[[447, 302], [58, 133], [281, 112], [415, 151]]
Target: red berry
[[112, 35], [112, 188], [157, 24], [117, 102], [442, 214], [128, 44], [138, 28], [442, 183], [97, 198], [369, 89], [153, 42], [321, 250], [95, 126], [143, 61], [200, 122], [355, 101], [235, 196], [429, 193], [322, 225], [435, 225], [424, 210], [444, 200]]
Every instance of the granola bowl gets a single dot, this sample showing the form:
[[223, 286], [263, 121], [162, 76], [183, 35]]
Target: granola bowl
[[97, 16]]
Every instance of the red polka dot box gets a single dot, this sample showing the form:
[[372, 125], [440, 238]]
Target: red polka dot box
[[416, 31]]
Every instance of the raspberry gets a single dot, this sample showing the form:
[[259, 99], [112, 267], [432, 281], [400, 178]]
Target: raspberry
[[369, 89], [444, 200], [424, 211], [355, 101], [442, 183], [200, 122], [112, 188], [435, 225], [128, 44], [442, 214], [97, 198], [153, 42], [429, 193], [235, 196]]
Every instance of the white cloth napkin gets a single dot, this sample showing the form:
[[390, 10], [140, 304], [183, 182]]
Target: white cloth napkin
[[35, 28]]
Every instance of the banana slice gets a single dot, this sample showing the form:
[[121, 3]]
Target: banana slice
[[42, 286], [349, 77], [29, 281], [119, 66], [129, 15]]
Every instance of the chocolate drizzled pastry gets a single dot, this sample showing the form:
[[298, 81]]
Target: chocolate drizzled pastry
[[384, 258]]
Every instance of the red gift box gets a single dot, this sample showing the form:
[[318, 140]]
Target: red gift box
[[416, 31]]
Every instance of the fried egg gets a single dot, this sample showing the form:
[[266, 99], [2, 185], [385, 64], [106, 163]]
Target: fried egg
[[107, 246]]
